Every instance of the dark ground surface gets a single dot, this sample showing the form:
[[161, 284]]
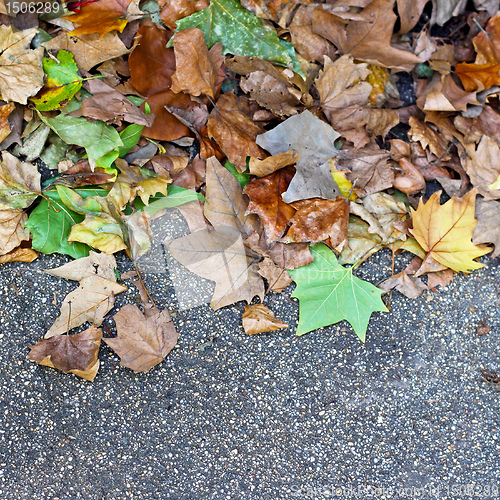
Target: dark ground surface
[[229, 416]]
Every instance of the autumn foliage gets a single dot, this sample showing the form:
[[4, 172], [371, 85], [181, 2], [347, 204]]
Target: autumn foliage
[[294, 138]]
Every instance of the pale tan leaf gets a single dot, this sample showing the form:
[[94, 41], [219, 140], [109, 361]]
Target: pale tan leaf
[[259, 319], [261, 168], [12, 230]]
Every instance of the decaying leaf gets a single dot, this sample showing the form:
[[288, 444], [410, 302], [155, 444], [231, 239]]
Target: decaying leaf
[[21, 70], [197, 68], [19, 254], [230, 126], [445, 232], [12, 230], [266, 201], [314, 141], [261, 168], [259, 319], [220, 256], [94, 297], [19, 183], [75, 354], [144, 338], [488, 228], [409, 286]]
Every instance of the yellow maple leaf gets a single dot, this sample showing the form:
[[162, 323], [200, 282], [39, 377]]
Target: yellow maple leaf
[[445, 231]]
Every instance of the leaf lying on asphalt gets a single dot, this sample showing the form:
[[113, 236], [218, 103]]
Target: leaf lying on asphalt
[[409, 286], [144, 338], [75, 354], [259, 319], [12, 230], [329, 293], [94, 297]]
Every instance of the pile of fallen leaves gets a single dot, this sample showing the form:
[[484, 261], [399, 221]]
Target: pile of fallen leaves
[[306, 134]]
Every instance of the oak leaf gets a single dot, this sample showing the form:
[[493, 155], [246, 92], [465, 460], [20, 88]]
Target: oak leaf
[[445, 232], [230, 125], [259, 319], [265, 195], [21, 70], [314, 141], [144, 338], [75, 354], [94, 297], [197, 68]]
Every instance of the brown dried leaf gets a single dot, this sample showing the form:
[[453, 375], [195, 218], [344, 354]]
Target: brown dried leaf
[[12, 230], [488, 228], [93, 299], [151, 63], [261, 168], [109, 105], [173, 10], [144, 338], [409, 286], [89, 50], [197, 68], [483, 166], [439, 278], [266, 201], [259, 319], [341, 84], [219, 255], [19, 255], [233, 130], [368, 37], [278, 278], [75, 354], [409, 13], [319, 220], [226, 204]]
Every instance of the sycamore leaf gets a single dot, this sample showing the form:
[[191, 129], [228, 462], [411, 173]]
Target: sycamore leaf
[[93, 299], [62, 83], [197, 68], [12, 230], [259, 319], [96, 137], [21, 71], [51, 221], [329, 293], [407, 285], [19, 183], [239, 31], [314, 141], [445, 231], [75, 354], [144, 338]]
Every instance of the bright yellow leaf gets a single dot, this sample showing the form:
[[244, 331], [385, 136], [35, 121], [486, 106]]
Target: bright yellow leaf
[[445, 231]]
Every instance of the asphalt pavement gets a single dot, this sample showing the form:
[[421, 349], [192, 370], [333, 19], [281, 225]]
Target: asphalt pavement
[[231, 416]]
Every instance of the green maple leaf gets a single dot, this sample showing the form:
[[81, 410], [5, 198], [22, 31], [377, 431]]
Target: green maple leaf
[[239, 31], [62, 83], [329, 293]]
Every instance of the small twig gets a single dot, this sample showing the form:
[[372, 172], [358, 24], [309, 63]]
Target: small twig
[[143, 284]]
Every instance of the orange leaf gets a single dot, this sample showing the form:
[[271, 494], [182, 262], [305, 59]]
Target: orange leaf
[[478, 76]]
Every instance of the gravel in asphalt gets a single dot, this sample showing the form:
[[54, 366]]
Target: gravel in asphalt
[[231, 416]]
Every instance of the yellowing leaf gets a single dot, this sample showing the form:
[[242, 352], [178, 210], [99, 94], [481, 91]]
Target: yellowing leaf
[[445, 231], [21, 72]]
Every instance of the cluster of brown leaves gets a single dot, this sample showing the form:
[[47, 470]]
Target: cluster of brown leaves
[[323, 154]]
